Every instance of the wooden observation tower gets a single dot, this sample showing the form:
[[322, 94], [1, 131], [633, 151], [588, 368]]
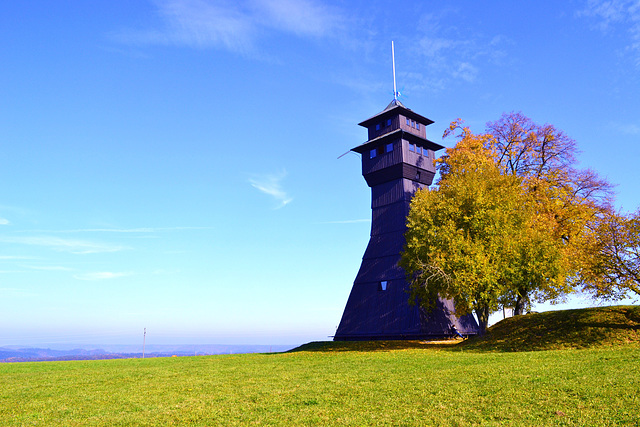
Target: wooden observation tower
[[397, 160]]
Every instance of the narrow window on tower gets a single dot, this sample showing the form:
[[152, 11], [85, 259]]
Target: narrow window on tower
[[419, 150], [389, 148], [408, 122], [378, 126], [382, 286], [417, 125], [372, 153], [412, 147], [388, 122]]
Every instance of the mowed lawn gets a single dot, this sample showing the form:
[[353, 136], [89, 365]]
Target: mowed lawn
[[414, 385]]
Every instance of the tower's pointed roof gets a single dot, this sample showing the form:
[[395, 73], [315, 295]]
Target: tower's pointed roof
[[396, 107], [395, 102]]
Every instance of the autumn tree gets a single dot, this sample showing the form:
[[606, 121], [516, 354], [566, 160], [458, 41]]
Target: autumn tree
[[511, 220], [476, 236], [614, 268]]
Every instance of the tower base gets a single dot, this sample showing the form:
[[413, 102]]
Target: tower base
[[370, 319]]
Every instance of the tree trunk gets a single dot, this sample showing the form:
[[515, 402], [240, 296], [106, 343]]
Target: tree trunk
[[521, 304], [483, 319]]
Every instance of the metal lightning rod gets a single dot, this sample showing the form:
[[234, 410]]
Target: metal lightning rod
[[393, 60]]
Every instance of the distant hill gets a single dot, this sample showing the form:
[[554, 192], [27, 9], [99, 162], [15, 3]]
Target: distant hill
[[20, 354], [9, 355], [580, 328], [29, 354]]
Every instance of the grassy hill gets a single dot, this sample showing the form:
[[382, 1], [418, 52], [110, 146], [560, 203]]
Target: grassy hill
[[551, 330], [353, 384], [563, 329]]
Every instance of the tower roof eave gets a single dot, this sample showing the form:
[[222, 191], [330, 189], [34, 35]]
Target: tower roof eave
[[397, 134]]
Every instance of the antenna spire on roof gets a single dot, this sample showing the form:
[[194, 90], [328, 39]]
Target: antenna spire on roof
[[393, 60]]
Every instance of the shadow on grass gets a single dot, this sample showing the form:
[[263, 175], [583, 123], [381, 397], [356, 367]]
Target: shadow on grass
[[338, 346]]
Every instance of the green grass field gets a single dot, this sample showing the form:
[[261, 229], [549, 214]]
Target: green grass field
[[381, 383]]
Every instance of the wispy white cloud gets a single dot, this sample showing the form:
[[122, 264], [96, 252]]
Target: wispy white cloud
[[234, 26], [271, 184], [631, 129], [625, 128], [199, 23], [301, 17], [101, 275], [466, 72], [4, 221], [610, 14], [64, 245], [447, 54], [607, 12]]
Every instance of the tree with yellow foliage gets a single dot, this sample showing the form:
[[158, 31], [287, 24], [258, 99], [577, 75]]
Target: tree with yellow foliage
[[505, 224], [476, 236]]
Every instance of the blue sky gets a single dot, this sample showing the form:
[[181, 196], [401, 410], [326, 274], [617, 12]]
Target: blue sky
[[174, 164]]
